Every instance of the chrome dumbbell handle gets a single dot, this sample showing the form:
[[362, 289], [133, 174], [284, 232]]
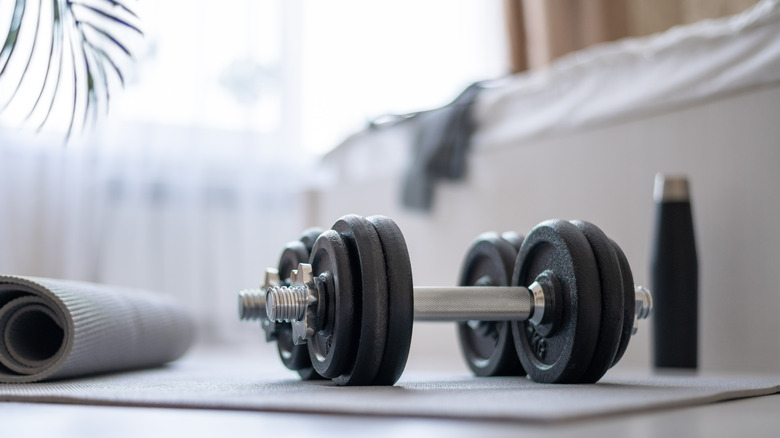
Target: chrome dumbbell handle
[[473, 303], [498, 303]]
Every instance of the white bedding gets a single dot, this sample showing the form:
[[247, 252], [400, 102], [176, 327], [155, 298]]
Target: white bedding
[[631, 77]]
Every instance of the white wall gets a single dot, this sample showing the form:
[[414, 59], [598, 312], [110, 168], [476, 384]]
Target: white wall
[[729, 148]]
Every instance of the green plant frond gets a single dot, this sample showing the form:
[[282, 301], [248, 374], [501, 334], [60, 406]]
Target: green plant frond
[[105, 14], [13, 33], [53, 50], [107, 35], [103, 58], [100, 71], [57, 47], [121, 5], [84, 31], [77, 80], [56, 53], [113, 3], [26, 65], [95, 77]]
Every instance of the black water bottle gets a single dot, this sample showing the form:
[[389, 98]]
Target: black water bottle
[[675, 276]]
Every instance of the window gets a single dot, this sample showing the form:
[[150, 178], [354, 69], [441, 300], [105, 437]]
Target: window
[[317, 69], [303, 74]]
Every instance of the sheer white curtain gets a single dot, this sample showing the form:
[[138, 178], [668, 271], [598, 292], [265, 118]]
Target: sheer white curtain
[[160, 211]]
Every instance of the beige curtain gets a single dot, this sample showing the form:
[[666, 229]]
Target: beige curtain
[[540, 31]]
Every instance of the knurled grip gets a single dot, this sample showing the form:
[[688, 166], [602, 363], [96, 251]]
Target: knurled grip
[[472, 303]]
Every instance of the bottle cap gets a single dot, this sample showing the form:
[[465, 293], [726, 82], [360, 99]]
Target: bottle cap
[[671, 188]]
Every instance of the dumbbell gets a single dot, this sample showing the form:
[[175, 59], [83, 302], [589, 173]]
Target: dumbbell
[[350, 322], [353, 303]]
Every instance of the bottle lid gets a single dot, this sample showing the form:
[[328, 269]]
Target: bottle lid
[[671, 188]]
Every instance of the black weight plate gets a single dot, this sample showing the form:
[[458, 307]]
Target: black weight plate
[[488, 346], [562, 353], [309, 237], [294, 357], [400, 304], [629, 301], [370, 279], [309, 373], [514, 238], [294, 252], [611, 302], [331, 346]]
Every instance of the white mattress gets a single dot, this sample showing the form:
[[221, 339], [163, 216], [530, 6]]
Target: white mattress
[[634, 77]]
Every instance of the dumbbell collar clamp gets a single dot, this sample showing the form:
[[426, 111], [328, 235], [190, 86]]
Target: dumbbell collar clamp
[[295, 304]]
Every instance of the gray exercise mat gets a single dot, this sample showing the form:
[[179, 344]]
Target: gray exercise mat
[[225, 380], [51, 329]]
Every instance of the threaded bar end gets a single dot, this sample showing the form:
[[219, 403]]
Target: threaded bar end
[[251, 304], [285, 304], [644, 303]]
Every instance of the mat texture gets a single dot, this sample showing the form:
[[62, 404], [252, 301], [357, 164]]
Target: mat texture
[[225, 380], [51, 329]]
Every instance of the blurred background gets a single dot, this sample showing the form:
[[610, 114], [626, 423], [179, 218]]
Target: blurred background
[[243, 122]]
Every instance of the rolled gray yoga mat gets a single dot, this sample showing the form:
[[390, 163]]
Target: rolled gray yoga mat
[[51, 329]]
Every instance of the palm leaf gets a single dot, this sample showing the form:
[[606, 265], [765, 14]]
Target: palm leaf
[[13, 32], [13, 44], [90, 47]]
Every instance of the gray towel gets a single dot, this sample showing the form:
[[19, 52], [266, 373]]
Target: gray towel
[[440, 149], [50, 329], [441, 144]]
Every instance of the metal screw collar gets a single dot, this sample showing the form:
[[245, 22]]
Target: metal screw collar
[[539, 303], [295, 304], [644, 306]]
